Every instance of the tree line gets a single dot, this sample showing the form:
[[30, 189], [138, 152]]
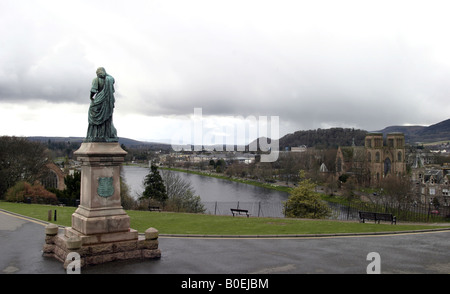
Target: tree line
[[323, 138]]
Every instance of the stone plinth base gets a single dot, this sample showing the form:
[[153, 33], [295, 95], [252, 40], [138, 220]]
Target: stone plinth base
[[116, 222], [101, 248]]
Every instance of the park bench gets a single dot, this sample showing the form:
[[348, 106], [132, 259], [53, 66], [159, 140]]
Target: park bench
[[239, 211], [377, 217], [154, 208]]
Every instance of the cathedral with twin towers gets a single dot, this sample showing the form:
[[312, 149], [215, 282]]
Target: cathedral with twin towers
[[379, 158]]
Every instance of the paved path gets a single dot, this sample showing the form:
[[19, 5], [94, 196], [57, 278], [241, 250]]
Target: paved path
[[21, 242]]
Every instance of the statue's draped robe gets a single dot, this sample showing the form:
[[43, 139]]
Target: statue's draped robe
[[101, 128]]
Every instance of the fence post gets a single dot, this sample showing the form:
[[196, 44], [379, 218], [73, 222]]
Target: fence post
[[55, 216], [349, 210], [215, 208]]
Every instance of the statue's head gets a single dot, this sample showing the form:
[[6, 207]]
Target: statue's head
[[101, 72]]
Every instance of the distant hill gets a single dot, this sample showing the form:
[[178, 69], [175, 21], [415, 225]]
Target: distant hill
[[415, 134], [130, 143], [334, 137], [324, 138], [67, 140]]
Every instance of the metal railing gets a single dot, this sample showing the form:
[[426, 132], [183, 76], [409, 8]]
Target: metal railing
[[339, 211]]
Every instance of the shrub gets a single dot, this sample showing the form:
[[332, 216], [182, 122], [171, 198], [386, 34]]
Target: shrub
[[16, 192], [25, 192], [304, 202]]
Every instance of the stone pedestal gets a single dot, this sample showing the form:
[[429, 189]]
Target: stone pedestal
[[100, 211], [100, 225]]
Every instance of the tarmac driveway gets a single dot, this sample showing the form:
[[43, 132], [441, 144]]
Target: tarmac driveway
[[21, 244]]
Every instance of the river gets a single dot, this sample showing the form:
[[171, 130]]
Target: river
[[218, 195]]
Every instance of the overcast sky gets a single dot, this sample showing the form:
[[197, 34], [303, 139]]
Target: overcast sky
[[314, 64]]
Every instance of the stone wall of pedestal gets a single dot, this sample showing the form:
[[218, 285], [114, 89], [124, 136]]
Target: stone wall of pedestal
[[100, 210]]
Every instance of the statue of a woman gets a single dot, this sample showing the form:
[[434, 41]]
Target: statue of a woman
[[101, 128]]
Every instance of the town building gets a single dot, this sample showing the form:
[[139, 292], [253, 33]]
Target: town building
[[55, 177], [431, 183]]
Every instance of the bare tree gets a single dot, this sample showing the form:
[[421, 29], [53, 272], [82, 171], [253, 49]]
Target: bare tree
[[397, 192], [181, 194]]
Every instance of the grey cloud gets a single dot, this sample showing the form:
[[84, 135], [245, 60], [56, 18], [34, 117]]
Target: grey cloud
[[60, 75], [40, 59], [275, 60], [354, 88]]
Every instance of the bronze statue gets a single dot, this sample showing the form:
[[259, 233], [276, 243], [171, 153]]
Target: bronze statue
[[101, 127]]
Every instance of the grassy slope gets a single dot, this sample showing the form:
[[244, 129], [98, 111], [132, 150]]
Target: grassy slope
[[202, 224]]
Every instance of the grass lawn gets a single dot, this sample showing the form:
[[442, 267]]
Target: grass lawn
[[203, 224]]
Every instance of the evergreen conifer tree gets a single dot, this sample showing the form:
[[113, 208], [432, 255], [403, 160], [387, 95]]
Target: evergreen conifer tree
[[154, 186]]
